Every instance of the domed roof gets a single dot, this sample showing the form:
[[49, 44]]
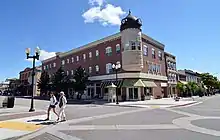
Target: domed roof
[[129, 16], [130, 21]]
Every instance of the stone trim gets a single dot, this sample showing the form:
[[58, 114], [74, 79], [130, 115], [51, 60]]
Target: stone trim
[[129, 75]]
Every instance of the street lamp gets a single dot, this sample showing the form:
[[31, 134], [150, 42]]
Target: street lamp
[[116, 67], [34, 57]]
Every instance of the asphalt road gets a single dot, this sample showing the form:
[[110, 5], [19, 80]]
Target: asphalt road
[[88, 122]]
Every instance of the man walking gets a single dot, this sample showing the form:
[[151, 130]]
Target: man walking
[[62, 105]]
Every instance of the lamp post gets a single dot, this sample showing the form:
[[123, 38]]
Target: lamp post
[[116, 67], [34, 57]]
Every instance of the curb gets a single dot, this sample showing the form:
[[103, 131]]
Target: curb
[[183, 105]]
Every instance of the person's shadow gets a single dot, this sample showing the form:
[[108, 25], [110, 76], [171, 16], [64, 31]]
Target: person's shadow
[[36, 120], [43, 121]]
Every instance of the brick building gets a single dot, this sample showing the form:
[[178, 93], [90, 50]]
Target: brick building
[[189, 76], [171, 71], [26, 81], [143, 71]]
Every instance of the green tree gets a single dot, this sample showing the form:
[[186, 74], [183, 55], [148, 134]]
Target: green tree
[[80, 81], [193, 87], [181, 88], [59, 81], [43, 83], [210, 81]]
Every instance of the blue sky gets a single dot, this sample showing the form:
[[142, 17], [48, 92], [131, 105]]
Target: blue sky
[[188, 28]]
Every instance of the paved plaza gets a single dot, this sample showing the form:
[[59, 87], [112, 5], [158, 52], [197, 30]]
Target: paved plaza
[[99, 122]]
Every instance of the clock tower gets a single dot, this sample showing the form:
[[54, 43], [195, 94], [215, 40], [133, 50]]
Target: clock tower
[[131, 42]]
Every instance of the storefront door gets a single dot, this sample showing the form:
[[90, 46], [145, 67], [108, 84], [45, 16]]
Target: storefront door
[[133, 93]]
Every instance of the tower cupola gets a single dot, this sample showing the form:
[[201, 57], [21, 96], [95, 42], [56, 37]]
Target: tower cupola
[[130, 21]]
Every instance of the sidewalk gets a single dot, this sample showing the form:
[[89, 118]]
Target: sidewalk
[[15, 122], [156, 103]]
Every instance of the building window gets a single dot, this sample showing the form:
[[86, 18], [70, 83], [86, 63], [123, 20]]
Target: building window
[[108, 68], [168, 64], [72, 72], [145, 50], [90, 54], [50, 66], [158, 69], [84, 56], [154, 68], [54, 65], [174, 66], [160, 55], [138, 45], [118, 48], [72, 59], [77, 58], [126, 47], [133, 47], [149, 67], [97, 68], [153, 53], [90, 69], [63, 62], [47, 67], [68, 61], [67, 72], [97, 53], [108, 51], [44, 67]]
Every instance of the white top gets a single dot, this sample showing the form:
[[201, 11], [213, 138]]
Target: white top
[[53, 100]]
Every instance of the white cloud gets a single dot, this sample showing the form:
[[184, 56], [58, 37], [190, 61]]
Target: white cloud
[[106, 14], [45, 55]]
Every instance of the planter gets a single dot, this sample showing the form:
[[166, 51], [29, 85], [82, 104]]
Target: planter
[[147, 97], [142, 98], [177, 99]]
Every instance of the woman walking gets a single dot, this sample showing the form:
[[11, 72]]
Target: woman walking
[[53, 102], [62, 105]]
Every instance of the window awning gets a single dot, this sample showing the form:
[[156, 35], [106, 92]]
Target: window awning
[[149, 84], [183, 82], [108, 83], [133, 83]]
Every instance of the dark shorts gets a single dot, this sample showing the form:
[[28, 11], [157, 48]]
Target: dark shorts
[[52, 106]]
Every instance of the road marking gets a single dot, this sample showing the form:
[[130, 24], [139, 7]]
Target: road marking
[[181, 112], [185, 123], [193, 104], [155, 106], [74, 121], [123, 127], [19, 126]]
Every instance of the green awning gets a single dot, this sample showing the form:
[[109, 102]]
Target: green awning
[[133, 83], [149, 84]]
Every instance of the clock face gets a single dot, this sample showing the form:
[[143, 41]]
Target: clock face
[[123, 21], [139, 21]]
